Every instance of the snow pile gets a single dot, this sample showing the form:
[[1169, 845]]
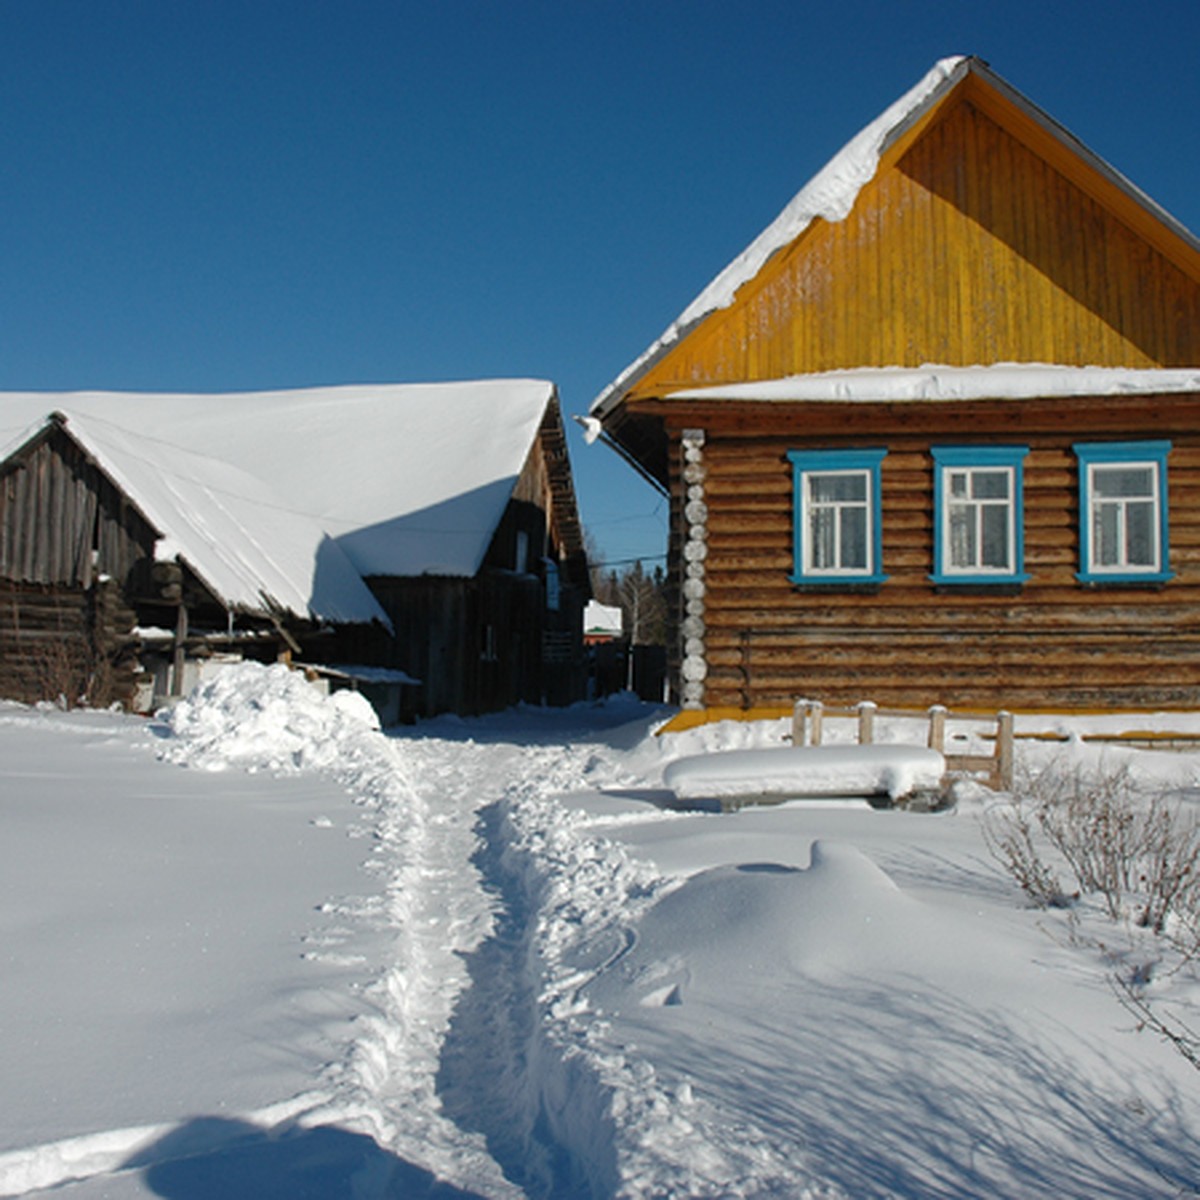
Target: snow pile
[[872, 770], [265, 718]]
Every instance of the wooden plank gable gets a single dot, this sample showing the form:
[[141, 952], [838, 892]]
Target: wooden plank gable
[[985, 236]]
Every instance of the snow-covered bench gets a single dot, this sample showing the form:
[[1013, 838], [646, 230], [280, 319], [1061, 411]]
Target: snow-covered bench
[[736, 777]]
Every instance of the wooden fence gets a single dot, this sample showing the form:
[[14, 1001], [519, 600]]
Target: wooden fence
[[808, 717]]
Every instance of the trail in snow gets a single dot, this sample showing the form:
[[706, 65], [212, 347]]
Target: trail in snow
[[565, 1109]]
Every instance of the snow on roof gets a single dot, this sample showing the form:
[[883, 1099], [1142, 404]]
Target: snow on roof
[[998, 381], [300, 493], [830, 194], [602, 618]]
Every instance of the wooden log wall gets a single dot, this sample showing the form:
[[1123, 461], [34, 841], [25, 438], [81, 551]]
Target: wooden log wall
[[73, 643], [1050, 643]]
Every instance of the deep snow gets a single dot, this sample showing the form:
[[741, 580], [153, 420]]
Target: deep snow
[[262, 949]]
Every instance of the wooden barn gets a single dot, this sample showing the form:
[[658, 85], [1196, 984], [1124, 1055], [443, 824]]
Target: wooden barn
[[934, 437], [420, 542]]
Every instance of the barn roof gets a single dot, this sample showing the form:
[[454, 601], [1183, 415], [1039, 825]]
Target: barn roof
[[298, 494], [832, 192]]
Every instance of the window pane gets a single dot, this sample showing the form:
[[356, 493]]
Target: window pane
[[994, 519], [822, 527], [1123, 481], [838, 489], [990, 485], [854, 539], [1106, 535], [1139, 534], [962, 536], [958, 483]]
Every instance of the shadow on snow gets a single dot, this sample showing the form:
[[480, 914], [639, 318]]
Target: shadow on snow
[[235, 1160]]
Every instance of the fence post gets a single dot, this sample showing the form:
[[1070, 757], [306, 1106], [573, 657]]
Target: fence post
[[800, 723], [1004, 751], [866, 722], [816, 711], [937, 729]]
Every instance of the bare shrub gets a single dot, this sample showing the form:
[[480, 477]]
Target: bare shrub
[[1009, 831], [1169, 1027], [60, 670], [1136, 854], [68, 672]]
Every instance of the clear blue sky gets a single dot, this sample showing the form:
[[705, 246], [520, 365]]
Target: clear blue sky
[[236, 194]]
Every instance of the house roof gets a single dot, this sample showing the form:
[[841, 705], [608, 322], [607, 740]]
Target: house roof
[[832, 192], [295, 495]]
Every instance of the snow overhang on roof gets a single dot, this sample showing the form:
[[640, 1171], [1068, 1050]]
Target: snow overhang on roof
[[831, 195], [932, 383]]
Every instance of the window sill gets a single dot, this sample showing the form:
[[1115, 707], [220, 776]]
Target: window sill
[[980, 583], [866, 584], [1149, 579]]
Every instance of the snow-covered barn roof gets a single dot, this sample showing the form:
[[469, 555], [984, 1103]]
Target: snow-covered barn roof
[[296, 495], [831, 195]]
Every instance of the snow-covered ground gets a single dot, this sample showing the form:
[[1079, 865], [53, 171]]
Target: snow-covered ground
[[261, 949]]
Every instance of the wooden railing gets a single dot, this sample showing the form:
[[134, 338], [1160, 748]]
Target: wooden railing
[[808, 717]]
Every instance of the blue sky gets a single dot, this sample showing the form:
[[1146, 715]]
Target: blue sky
[[238, 194]]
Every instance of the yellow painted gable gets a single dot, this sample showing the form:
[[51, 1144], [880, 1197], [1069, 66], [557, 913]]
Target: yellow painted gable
[[982, 238]]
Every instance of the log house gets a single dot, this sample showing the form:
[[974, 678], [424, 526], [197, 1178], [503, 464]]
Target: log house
[[934, 437]]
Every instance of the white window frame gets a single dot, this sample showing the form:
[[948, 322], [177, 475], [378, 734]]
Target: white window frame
[[1097, 457], [861, 463], [950, 461]]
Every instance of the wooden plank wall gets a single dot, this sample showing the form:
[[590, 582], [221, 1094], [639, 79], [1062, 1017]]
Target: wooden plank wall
[[1054, 643], [440, 633], [972, 248], [56, 508]]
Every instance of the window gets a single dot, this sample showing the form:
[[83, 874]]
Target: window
[[837, 517], [1123, 512], [978, 514]]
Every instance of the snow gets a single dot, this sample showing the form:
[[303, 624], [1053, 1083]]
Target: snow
[[297, 492], [790, 771], [259, 947], [998, 381]]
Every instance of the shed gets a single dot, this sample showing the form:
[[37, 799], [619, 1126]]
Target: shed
[[933, 436]]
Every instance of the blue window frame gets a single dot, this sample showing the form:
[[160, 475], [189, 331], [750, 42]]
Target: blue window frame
[[1123, 524], [837, 525], [978, 515]]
